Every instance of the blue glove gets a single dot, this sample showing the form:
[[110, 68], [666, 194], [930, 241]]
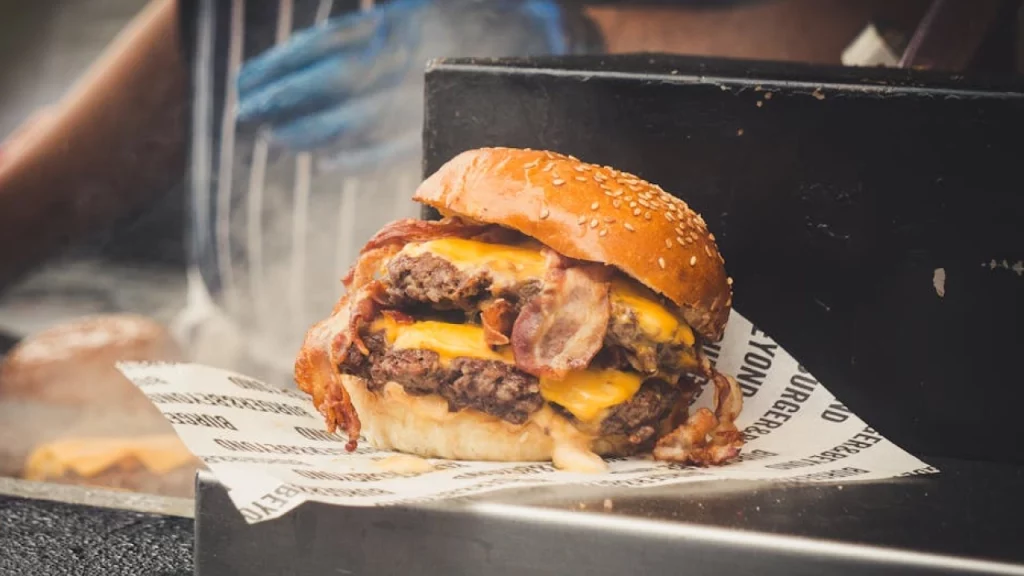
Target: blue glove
[[356, 81]]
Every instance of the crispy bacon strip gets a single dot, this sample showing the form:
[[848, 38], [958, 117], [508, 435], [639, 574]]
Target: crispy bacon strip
[[366, 267], [707, 437], [325, 347], [497, 317], [563, 327]]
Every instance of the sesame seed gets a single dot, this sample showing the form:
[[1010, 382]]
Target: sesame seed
[[669, 217], [532, 164], [544, 213], [547, 167], [632, 204], [729, 281], [578, 168], [603, 232], [600, 177], [581, 179], [609, 219], [584, 168], [593, 223], [548, 154], [605, 188], [595, 206], [558, 181], [647, 215], [581, 219], [636, 212], [693, 260], [707, 250], [711, 237], [616, 203], [609, 193], [668, 243], [644, 203], [573, 158], [629, 227], [680, 240], [661, 263]]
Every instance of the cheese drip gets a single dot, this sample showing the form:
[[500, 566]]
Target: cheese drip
[[585, 394]]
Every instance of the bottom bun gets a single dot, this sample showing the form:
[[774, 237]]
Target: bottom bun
[[423, 426]]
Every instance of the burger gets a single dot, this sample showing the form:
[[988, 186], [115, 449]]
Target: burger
[[556, 312]]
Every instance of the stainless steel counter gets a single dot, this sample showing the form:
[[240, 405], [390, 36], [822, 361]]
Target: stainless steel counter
[[965, 520]]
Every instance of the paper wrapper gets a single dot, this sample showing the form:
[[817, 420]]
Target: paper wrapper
[[269, 447]]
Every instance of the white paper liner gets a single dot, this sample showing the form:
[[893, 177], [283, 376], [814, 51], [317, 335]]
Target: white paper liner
[[268, 446]]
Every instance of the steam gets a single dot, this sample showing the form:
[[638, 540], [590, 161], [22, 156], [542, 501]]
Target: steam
[[345, 206]]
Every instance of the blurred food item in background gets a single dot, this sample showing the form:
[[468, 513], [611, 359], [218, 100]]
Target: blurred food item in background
[[73, 364], [158, 464], [71, 417], [102, 153]]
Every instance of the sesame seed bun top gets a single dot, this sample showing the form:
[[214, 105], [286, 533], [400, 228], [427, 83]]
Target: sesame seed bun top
[[593, 213]]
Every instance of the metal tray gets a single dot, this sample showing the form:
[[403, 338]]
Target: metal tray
[[965, 520]]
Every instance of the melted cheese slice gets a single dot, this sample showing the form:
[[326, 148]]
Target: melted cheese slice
[[511, 265], [89, 457], [585, 394], [449, 341]]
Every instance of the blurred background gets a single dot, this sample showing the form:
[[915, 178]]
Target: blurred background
[[190, 179]]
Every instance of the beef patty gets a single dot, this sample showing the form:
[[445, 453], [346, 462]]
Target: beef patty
[[639, 417], [427, 279], [496, 388], [488, 386]]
